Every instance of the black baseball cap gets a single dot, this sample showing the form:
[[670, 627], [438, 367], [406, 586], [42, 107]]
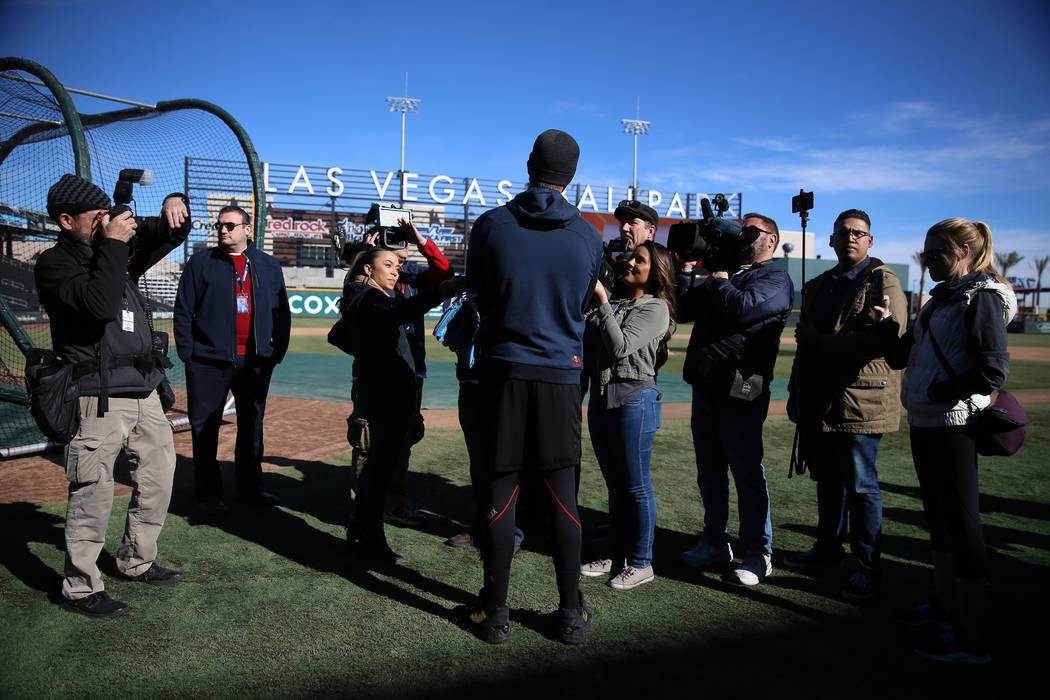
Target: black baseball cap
[[632, 208]]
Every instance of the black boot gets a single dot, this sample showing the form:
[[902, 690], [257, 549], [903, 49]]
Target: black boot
[[574, 623]]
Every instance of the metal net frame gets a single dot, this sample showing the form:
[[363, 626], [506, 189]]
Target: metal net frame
[[42, 137]]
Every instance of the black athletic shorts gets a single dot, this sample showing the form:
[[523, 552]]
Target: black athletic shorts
[[531, 424]]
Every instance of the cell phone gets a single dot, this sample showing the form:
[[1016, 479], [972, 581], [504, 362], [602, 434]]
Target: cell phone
[[803, 201], [875, 289]]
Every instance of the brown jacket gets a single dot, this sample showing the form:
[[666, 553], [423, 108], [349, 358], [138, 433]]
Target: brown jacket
[[842, 381]]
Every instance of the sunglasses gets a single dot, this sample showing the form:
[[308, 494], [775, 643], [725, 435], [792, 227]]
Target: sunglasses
[[854, 234], [226, 226], [629, 203], [753, 231]]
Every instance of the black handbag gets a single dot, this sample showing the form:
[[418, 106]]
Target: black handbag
[[998, 429], [54, 397]]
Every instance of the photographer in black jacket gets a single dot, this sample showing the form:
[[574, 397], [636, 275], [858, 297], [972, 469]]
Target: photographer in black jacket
[[100, 324]]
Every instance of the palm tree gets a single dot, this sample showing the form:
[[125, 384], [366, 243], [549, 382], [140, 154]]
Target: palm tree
[[1040, 266], [1004, 261], [920, 260]]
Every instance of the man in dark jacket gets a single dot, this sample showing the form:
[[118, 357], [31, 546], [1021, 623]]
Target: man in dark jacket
[[232, 324], [534, 263], [844, 396], [100, 324], [738, 316]]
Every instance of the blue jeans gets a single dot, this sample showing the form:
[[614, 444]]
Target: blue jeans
[[727, 435], [623, 444], [848, 492]]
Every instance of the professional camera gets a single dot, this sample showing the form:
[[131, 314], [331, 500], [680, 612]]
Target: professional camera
[[383, 217], [615, 257], [714, 239], [123, 195]]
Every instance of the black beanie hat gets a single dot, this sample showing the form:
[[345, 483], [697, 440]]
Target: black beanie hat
[[553, 158], [73, 195]]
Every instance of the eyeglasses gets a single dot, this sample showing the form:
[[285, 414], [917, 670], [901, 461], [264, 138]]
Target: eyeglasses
[[226, 225], [753, 230], [629, 204], [854, 234]]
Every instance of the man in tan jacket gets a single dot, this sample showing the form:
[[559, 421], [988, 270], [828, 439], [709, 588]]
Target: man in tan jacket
[[844, 396]]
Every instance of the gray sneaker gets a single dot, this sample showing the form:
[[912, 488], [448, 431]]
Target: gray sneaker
[[706, 554], [631, 577], [598, 567], [756, 567]]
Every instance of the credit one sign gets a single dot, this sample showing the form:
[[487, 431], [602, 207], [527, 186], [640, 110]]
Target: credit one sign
[[324, 303], [445, 190]]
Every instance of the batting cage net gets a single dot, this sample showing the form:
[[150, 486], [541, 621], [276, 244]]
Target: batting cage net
[[41, 138]]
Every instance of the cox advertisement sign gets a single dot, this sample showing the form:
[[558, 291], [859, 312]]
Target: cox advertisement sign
[[315, 302], [324, 303]]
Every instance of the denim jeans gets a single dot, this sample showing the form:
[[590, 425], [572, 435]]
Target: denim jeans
[[848, 493], [623, 444], [727, 436]]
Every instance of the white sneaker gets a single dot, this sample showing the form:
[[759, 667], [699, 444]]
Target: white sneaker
[[598, 567], [631, 577], [756, 566], [706, 554]]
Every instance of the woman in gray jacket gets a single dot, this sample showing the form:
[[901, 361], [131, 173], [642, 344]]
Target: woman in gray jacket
[[957, 356], [625, 343]]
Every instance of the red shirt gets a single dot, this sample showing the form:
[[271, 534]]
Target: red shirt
[[243, 286]]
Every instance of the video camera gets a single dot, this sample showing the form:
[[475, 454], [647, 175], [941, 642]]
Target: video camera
[[383, 217], [612, 266], [714, 239]]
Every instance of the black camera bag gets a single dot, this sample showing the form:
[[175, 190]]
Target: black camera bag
[[54, 397]]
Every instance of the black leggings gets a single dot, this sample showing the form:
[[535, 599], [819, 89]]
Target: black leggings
[[560, 485], [946, 464]]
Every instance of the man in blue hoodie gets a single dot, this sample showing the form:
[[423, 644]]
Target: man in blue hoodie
[[232, 325], [534, 263]]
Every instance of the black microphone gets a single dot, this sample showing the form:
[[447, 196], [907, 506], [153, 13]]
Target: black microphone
[[705, 207]]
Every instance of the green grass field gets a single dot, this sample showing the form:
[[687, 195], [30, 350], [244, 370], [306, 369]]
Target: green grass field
[[271, 606]]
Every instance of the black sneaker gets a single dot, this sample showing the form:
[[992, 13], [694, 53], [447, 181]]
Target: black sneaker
[[860, 587], [372, 554], [812, 558], [949, 649], [575, 623], [492, 627], [404, 517], [157, 576], [927, 613], [97, 605]]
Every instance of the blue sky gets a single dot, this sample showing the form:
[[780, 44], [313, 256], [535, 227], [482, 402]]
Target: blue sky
[[913, 111]]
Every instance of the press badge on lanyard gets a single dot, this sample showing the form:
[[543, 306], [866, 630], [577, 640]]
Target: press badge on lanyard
[[242, 298], [127, 321]]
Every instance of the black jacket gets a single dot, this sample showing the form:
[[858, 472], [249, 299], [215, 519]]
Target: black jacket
[[205, 321], [386, 372], [736, 325], [86, 288]]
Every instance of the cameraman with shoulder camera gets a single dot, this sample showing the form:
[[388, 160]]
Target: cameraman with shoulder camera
[[232, 325], [100, 324], [738, 314]]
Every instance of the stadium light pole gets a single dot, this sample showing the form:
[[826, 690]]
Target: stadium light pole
[[403, 105], [635, 126]]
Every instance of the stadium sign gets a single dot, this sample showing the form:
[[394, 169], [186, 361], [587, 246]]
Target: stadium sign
[[324, 303], [331, 182], [314, 302]]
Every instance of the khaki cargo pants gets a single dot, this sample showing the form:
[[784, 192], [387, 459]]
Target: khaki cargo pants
[[139, 427]]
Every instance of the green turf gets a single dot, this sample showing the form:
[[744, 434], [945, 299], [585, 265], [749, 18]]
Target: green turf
[[271, 608]]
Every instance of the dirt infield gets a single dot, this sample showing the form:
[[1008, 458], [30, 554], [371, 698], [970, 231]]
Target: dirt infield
[[296, 431]]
